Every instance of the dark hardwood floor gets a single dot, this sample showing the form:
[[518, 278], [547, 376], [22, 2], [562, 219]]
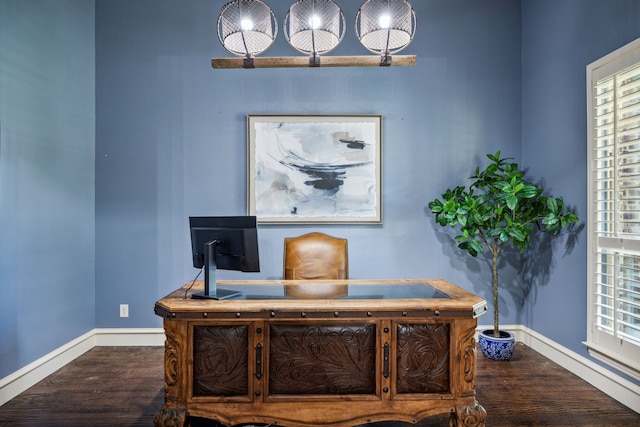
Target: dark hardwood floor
[[123, 386]]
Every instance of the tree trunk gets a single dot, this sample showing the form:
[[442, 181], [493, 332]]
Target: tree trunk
[[496, 312]]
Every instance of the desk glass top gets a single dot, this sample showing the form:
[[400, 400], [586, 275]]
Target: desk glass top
[[333, 290]]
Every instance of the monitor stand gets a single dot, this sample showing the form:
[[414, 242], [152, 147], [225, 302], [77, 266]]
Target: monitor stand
[[211, 290]]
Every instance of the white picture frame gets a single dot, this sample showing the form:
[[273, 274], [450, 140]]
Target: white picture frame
[[314, 169]]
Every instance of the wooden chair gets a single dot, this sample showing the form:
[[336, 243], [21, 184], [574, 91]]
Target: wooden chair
[[316, 256]]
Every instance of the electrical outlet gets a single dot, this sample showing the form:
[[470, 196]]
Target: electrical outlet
[[124, 310]]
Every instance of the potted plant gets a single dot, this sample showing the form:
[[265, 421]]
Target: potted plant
[[499, 207]]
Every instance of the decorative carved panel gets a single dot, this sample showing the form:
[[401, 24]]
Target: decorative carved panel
[[170, 417], [174, 366], [423, 358], [172, 349], [468, 416], [468, 351], [220, 361], [322, 359]]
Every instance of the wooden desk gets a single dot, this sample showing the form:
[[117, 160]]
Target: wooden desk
[[387, 350]]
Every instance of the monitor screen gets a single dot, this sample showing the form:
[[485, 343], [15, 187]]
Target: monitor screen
[[236, 237], [224, 242]]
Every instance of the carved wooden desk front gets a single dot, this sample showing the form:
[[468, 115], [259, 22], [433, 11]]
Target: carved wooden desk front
[[387, 350]]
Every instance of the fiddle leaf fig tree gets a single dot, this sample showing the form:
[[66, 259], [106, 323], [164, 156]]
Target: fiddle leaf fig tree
[[499, 207]]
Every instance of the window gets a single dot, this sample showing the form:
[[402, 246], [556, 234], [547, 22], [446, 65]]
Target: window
[[613, 98]]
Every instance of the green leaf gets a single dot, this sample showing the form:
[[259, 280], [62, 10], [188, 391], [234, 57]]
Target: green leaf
[[495, 232], [518, 188], [503, 186], [517, 234], [475, 245], [477, 218], [550, 219], [435, 206], [495, 157], [512, 201], [571, 217], [528, 191]]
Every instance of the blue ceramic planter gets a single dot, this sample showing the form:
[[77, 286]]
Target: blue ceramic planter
[[495, 348]]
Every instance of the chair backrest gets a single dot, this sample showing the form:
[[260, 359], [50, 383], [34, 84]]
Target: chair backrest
[[314, 256]]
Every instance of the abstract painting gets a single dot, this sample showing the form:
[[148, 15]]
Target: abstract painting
[[315, 169]]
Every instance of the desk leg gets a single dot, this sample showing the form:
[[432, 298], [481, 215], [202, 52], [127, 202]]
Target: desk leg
[[468, 416], [173, 413], [170, 417]]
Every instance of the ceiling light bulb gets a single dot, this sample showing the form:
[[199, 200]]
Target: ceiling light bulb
[[385, 20], [315, 22], [246, 24]]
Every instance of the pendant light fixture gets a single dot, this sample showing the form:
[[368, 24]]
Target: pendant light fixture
[[314, 27], [385, 27], [247, 28]]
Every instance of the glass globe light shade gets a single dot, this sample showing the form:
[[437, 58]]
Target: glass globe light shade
[[247, 27], [385, 27], [314, 27]]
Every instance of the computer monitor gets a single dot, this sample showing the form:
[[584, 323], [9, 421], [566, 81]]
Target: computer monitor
[[223, 242]]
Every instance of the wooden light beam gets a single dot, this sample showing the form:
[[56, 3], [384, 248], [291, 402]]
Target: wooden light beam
[[318, 61]]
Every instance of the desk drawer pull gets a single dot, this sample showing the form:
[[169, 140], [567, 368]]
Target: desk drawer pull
[[259, 361], [385, 366]]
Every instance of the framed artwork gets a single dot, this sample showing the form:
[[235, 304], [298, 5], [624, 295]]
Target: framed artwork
[[315, 169]]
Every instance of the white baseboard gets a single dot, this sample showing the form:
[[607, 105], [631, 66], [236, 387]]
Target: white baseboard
[[127, 337], [19, 381], [613, 385], [620, 389]]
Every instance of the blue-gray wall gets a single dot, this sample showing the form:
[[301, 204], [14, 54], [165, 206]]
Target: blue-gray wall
[[171, 138], [47, 179], [559, 39], [170, 142]]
